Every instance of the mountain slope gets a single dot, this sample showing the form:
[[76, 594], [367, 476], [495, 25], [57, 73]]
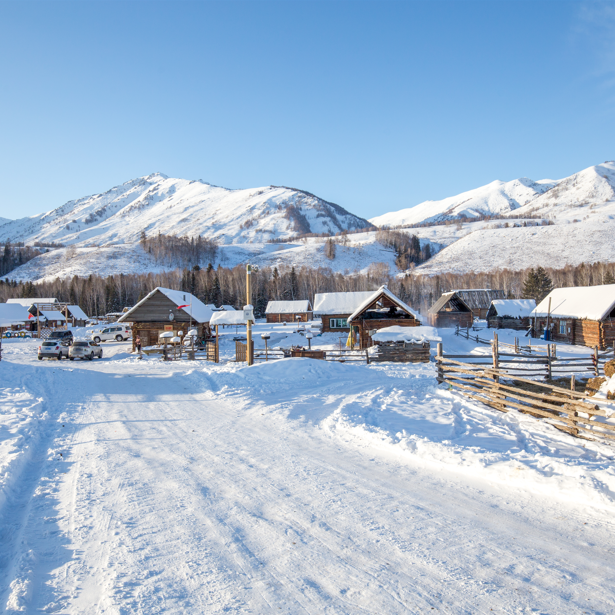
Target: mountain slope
[[496, 198], [157, 203]]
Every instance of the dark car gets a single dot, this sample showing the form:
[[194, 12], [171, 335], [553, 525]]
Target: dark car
[[61, 336]]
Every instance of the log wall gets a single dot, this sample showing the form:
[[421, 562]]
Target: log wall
[[294, 317], [452, 319], [506, 322]]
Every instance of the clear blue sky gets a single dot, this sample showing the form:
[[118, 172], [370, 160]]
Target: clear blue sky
[[376, 106]]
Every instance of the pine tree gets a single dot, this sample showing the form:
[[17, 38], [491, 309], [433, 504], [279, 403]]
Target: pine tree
[[294, 285], [537, 285], [330, 249], [215, 293]]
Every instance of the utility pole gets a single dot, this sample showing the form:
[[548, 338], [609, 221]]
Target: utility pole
[[247, 311]]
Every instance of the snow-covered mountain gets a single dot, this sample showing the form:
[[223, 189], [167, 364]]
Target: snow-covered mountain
[[158, 203], [3, 221], [496, 198]]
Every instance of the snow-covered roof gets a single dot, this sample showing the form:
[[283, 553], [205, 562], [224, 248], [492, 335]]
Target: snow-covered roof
[[228, 318], [29, 302], [51, 315], [77, 312], [583, 302], [407, 334], [514, 308], [228, 308], [12, 314], [383, 290], [340, 303], [200, 312], [288, 307]]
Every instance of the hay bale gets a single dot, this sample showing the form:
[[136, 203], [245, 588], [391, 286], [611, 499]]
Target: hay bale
[[593, 385], [609, 368]]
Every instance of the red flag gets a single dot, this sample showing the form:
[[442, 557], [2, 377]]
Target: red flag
[[179, 307], [30, 316]]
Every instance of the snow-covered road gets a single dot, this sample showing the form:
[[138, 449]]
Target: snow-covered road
[[293, 487]]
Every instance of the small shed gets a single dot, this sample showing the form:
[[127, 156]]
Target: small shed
[[51, 319], [510, 314], [289, 311], [76, 315], [380, 310], [335, 308], [479, 299], [450, 310], [581, 315], [167, 310]]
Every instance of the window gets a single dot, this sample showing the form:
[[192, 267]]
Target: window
[[562, 327], [338, 323]]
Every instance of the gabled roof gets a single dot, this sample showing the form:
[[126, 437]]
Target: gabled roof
[[51, 315], [288, 307], [339, 303], [77, 313], [479, 298], [32, 301], [228, 308], [13, 314], [228, 318], [383, 291], [200, 312], [445, 298], [583, 302], [513, 308]]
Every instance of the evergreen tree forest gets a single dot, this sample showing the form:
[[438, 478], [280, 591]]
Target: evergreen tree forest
[[100, 295]]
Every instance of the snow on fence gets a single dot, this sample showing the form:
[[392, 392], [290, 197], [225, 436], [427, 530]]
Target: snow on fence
[[566, 410]]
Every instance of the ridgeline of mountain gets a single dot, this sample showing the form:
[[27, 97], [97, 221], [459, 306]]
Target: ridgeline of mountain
[[160, 204]]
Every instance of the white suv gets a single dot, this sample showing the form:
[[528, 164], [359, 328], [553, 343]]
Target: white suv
[[119, 333]]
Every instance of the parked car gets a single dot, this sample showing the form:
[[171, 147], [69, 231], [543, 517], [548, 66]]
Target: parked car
[[85, 350], [119, 333], [61, 336], [53, 349]]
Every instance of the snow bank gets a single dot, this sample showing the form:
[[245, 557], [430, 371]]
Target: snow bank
[[407, 334]]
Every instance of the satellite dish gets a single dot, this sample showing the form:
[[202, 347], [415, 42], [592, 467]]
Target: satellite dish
[[171, 317]]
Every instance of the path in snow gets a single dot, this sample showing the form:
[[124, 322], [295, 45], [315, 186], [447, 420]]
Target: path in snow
[[175, 492]]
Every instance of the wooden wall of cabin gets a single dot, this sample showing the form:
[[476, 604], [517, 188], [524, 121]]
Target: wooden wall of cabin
[[365, 326], [295, 317], [451, 319], [149, 331], [326, 325], [506, 322]]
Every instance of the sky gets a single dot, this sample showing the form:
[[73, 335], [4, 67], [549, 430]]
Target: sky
[[376, 106]]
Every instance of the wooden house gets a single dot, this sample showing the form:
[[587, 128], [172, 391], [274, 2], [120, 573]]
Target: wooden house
[[510, 314], [13, 317], [380, 310], [289, 311], [335, 308], [167, 310], [479, 299], [76, 316], [583, 315], [450, 310]]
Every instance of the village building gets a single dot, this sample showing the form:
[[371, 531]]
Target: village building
[[450, 310], [380, 310], [335, 308], [13, 317], [510, 314], [289, 311], [167, 310], [479, 299], [583, 315], [76, 316]]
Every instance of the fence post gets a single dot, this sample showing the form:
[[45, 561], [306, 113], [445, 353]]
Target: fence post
[[516, 345], [529, 346], [468, 333], [367, 356], [554, 351], [596, 361], [548, 361], [456, 329], [495, 352], [439, 361], [573, 387]]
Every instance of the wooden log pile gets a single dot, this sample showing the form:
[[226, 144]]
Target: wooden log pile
[[401, 352]]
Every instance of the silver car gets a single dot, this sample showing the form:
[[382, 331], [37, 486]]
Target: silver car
[[53, 350], [84, 350]]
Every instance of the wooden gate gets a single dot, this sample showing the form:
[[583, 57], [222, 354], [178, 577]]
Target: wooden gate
[[241, 351], [211, 351]]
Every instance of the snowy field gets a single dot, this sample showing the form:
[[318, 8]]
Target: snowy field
[[294, 486]]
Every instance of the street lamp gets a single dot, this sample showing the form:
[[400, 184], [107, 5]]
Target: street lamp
[[266, 337]]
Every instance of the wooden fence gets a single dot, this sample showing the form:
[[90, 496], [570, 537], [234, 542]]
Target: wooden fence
[[547, 364], [566, 410]]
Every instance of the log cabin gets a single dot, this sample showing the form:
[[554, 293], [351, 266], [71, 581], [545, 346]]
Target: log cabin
[[510, 314], [582, 315], [380, 310], [335, 308], [450, 310], [289, 311], [479, 299], [76, 316], [167, 310]]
